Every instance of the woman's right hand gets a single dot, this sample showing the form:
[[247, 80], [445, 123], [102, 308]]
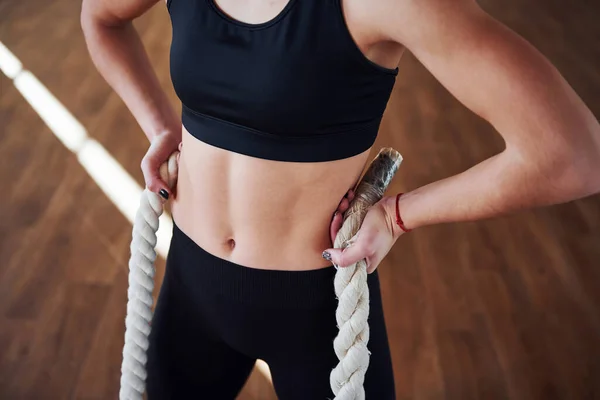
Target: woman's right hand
[[161, 148]]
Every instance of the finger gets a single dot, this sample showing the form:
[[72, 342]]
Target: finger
[[345, 203], [154, 183], [350, 255], [343, 206], [155, 158], [336, 224], [158, 186], [350, 195]]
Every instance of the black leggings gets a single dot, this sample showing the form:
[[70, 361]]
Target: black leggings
[[214, 318]]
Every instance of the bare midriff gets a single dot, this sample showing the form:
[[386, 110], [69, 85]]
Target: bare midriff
[[260, 213]]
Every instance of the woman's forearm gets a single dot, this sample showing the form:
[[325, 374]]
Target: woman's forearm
[[121, 59], [499, 185]]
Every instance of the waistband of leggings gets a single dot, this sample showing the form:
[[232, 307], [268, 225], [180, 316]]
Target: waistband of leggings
[[273, 288]]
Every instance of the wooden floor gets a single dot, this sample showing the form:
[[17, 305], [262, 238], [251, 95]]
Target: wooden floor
[[500, 309]]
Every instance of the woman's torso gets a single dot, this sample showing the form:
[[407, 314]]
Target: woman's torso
[[266, 213]]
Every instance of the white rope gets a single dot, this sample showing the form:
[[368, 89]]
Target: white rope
[[350, 283], [141, 287], [350, 345]]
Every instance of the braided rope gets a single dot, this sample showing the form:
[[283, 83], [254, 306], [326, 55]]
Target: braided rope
[[350, 283], [350, 345], [141, 287]]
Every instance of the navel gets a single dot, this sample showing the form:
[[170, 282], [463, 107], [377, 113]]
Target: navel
[[230, 244]]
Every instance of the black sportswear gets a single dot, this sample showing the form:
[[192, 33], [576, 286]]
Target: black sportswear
[[295, 88], [214, 318]]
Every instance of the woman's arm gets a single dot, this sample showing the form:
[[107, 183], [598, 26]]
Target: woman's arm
[[119, 55], [552, 152]]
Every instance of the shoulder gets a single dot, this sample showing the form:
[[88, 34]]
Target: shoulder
[[404, 21]]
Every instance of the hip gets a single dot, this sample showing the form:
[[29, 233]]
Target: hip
[[214, 318]]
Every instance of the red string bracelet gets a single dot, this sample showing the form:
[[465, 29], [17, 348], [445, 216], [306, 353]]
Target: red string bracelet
[[398, 219]]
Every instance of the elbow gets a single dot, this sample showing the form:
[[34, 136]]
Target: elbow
[[587, 165], [577, 171], [588, 183], [93, 18], [574, 176], [591, 185]]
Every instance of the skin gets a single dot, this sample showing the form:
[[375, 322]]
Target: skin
[[552, 139]]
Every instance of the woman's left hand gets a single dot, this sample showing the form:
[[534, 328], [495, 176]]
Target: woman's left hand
[[372, 242]]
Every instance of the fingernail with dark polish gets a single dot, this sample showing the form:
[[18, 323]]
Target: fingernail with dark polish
[[327, 256], [164, 194]]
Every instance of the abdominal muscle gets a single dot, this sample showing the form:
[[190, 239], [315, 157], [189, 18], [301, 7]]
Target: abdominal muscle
[[260, 213]]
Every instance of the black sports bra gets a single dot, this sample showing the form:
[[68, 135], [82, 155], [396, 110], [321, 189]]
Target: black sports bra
[[295, 88]]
